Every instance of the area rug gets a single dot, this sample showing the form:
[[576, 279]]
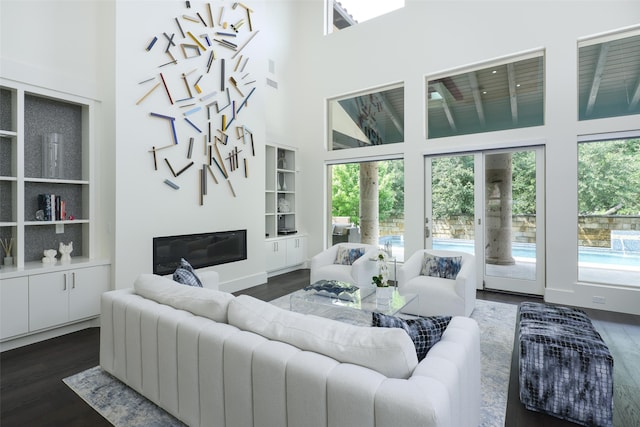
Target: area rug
[[123, 407]]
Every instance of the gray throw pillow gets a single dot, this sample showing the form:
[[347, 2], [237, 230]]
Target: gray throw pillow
[[445, 267], [186, 275], [425, 332]]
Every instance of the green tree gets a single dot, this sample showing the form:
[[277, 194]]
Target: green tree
[[523, 191], [346, 190], [452, 186], [391, 182], [609, 177]]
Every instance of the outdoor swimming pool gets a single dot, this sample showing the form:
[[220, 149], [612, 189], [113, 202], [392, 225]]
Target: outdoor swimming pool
[[524, 250]]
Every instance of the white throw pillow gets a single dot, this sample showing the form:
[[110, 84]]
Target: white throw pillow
[[203, 302], [388, 351]]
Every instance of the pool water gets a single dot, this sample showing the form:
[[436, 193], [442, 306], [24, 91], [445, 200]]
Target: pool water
[[523, 250]]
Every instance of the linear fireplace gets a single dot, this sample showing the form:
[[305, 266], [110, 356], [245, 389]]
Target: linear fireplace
[[201, 250]]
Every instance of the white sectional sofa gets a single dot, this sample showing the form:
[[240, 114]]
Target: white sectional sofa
[[212, 359]]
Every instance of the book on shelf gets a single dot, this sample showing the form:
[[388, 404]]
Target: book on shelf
[[52, 207]]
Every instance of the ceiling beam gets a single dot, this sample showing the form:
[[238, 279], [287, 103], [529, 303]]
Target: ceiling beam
[[475, 89], [393, 114], [513, 96], [597, 78], [440, 88], [635, 98]]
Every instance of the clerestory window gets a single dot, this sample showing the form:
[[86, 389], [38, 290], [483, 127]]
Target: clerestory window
[[367, 119], [500, 96], [609, 76]]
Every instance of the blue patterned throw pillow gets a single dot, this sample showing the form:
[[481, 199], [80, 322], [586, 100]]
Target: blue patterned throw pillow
[[347, 256], [445, 267], [425, 332], [184, 274]]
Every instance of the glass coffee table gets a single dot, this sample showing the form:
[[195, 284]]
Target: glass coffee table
[[355, 310]]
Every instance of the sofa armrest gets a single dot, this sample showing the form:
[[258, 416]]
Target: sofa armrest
[[364, 268], [210, 279], [466, 278], [410, 268], [324, 258]]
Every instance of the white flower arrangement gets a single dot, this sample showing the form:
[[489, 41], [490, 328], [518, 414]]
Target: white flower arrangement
[[382, 279]]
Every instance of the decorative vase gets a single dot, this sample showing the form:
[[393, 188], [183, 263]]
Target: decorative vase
[[52, 155], [383, 295], [8, 260]]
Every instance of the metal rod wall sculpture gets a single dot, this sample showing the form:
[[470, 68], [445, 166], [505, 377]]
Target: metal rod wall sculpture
[[194, 44]]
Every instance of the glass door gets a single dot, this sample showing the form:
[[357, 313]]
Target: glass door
[[514, 220], [490, 203]]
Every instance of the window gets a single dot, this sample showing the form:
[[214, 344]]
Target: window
[[367, 119], [609, 77], [502, 96], [367, 204], [609, 211], [347, 13]]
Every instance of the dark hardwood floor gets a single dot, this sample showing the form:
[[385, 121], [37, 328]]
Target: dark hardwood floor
[[31, 389], [32, 392]]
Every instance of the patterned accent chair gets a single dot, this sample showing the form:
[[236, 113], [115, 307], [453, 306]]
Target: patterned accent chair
[[441, 289], [325, 265]]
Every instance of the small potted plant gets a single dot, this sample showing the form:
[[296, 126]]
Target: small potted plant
[[7, 245], [381, 280]]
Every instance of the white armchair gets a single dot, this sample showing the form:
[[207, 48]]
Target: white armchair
[[439, 296], [359, 273]]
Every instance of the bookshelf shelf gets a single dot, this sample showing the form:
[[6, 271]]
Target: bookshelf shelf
[[29, 115]]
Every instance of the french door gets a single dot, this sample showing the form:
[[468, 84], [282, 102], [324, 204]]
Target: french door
[[490, 204]]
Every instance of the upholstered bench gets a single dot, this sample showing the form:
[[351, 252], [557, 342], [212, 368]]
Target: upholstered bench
[[565, 368]]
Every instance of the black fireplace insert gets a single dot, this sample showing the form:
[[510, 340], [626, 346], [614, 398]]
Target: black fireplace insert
[[200, 250]]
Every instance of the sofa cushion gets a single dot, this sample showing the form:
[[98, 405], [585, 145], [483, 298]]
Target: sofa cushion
[[425, 332], [388, 351], [184, 274], [445, 267], [347, 256], [203, 302]]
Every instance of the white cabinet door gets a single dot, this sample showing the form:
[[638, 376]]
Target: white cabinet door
[[48, 300], [66, 296], [86, 285], [296, 250], [14, 307], [276, 255]]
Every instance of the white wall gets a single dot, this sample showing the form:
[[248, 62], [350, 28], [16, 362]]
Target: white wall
[[430, 37], [145, 206], [52, 44]]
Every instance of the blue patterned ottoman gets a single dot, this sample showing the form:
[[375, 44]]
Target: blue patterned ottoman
[[566, 370]]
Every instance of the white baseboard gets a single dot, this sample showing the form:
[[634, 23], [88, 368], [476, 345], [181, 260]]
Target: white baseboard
[[244, 282], [48, 334]]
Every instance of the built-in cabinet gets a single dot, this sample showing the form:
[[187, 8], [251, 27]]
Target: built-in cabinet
[[14, 307], [285, 252], [63, 295], [280, 192], [46, 159], [66, 296], [284, 246], [47, 197]]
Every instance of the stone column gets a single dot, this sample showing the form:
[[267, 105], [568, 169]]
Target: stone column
[[369, 230], [498, 174]]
